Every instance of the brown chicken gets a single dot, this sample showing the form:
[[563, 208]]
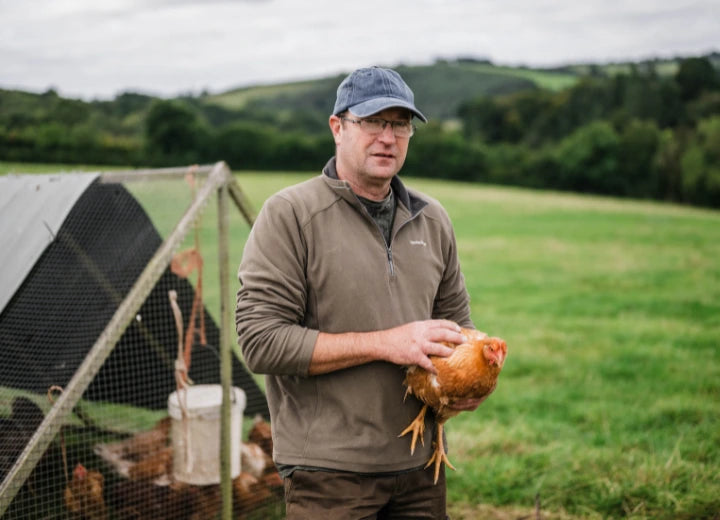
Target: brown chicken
[[261, 434], [147, 443], [254, 460], [84, 494], [152, 466], [470, 372]]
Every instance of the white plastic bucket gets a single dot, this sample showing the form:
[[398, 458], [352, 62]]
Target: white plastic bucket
[[196, 440]]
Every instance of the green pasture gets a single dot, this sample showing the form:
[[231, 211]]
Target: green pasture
[[609, 403], [239, 98], [545, 79]]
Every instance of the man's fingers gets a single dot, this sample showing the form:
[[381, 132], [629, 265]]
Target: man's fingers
[[456, 337], [445, 325], [427, 365], [438, 349], [421, 339], [449, 334]]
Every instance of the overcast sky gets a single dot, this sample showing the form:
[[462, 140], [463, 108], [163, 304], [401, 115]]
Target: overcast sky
[[99, 48]]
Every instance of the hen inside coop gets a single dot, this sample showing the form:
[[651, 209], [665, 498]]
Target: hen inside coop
[[112, 402]]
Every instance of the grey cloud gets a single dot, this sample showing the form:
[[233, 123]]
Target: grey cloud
[[99, 48]]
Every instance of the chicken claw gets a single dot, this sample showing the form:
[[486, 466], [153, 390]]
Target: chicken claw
[[417, 427], [439, 455]]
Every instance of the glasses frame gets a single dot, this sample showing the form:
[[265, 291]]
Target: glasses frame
[[385, 123]]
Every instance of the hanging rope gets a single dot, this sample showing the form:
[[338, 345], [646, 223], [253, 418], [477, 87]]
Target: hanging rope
[[182, 381], [182, 265]]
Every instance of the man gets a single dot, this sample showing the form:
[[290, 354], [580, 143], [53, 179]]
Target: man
[[346, 279]]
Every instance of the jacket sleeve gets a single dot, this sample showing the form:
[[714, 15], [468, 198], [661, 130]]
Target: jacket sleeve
[[452, 301], [271, 302]]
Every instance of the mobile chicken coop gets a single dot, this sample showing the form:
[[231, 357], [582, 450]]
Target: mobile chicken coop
[[120, 396]]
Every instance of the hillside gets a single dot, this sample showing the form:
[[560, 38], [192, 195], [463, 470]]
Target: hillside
[[643, 129], [442, 87], [49, 127], [302, 105]]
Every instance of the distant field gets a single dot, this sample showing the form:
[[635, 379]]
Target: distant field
[[238, 98], [544, 79], [609, 405], [662, 68]]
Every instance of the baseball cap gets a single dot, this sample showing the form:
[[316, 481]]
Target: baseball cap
[[368, 91]]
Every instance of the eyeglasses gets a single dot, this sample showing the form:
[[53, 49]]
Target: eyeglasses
[[376, 125]]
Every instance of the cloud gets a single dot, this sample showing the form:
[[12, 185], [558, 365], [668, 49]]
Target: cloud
[[92, 48]]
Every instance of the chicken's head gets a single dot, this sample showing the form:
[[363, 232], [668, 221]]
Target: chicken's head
[[495, 350], [79, 473]]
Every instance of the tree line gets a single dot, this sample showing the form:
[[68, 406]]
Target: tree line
[[639, 134]]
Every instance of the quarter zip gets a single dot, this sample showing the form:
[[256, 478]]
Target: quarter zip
[[388, 246], [392, 240], [390, 261]]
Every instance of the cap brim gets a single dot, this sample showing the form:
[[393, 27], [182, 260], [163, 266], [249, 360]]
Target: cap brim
[[373, 106]]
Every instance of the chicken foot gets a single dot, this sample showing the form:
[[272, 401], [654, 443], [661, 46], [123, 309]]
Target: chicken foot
[[417, 427], [439, 455]]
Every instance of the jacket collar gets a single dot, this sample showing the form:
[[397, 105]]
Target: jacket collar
[[410, 200]]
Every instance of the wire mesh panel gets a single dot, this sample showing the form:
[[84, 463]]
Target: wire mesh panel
[[117, 454]]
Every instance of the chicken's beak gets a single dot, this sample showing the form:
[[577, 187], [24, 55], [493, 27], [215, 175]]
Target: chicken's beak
[[501, 358]]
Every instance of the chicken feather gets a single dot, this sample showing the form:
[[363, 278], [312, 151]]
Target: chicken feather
[[470, 372]]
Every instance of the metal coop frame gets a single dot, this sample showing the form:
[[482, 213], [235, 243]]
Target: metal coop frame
[[217, 182]]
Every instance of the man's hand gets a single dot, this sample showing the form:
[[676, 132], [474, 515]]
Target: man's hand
[[413, 343], [408, 344]]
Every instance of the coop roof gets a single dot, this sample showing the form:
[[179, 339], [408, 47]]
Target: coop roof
[[32, 209]]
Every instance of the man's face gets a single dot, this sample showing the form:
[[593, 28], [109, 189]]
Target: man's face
[[368, 159]]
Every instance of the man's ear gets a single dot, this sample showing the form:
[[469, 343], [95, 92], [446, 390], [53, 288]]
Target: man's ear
[[335, 126]]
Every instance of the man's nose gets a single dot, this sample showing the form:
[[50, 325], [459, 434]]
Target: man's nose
[[387, 134]]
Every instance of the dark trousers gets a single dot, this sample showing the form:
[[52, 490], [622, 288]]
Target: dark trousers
[[349, 496]]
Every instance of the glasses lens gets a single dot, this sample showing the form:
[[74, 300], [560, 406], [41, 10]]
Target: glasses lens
[[373, 125], [402, 128]]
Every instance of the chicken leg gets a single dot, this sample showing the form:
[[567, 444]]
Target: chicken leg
[[439, 456], [417, 427]]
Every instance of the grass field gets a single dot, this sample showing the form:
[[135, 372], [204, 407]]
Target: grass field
[[544, 79], [609, 403], [237, 99]]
